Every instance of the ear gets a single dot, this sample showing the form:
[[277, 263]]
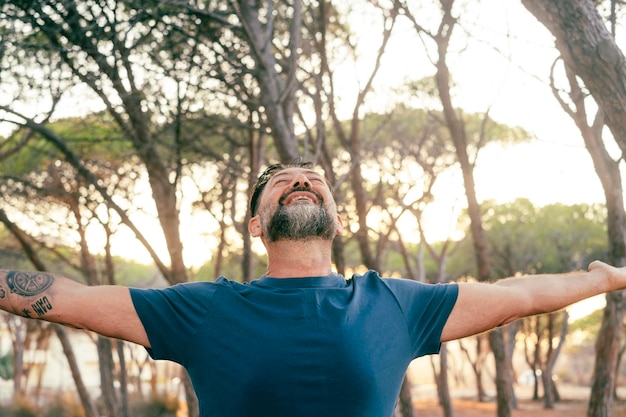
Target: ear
[[339, 225], [254, 226]]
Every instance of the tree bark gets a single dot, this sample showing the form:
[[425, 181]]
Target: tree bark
[[608, 343], [88, 404], [459, 138], [549, 387], [106, 366], [405, 406], [85, 398], [277, 90], [193, 407], [445, 399], [588, 48]]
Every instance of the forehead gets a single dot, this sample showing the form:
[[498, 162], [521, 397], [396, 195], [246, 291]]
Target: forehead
[[294, 171]]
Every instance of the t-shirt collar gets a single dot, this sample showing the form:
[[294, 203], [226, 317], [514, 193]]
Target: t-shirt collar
[[331, 280]]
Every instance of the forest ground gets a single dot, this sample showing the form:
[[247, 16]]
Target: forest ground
[[573, 404]]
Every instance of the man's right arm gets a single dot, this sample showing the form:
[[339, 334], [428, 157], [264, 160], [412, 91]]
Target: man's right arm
[[107, 310]]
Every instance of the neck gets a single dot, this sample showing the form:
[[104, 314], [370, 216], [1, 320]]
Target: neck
[[298, 258]]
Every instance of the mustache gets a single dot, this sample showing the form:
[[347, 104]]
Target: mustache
[[317, 195]]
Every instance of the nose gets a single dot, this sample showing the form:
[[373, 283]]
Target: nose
[[301, 180]]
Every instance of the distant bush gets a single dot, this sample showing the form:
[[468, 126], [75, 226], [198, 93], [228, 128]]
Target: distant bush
[[68, 407], [60, 407], [21, 407], [156, 407], [64, 407]]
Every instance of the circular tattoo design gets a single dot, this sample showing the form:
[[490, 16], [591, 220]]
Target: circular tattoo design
[[28, 283]]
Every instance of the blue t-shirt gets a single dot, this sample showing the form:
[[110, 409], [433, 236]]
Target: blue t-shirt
[[296, 347]]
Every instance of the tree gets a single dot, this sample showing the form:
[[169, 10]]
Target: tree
[[593, 55], [441, 37], [589, 51]]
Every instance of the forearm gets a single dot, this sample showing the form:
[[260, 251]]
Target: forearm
[[481, 307], [32, 294], [551, 292], [107, 310]]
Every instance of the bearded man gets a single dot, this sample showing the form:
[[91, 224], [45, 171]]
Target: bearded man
[[301, 340]]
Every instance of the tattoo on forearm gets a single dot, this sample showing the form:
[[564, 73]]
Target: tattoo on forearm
[[42, 306], [3, 293], [28, 284]]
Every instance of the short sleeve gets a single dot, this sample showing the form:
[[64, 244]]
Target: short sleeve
[[171, 316], [426, 308]]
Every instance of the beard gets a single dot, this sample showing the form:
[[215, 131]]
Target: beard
[[300, 221]]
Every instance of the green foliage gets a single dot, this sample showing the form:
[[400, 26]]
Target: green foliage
[[6, 366], [525, 239], [93, 138], [590, 324]]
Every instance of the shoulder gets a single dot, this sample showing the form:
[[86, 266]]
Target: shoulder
[[186, 290], [396, 285]]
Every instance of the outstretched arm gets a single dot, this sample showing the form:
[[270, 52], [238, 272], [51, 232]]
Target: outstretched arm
[[107, 310], [481, 306]]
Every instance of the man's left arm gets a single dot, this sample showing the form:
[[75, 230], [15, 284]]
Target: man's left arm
[[481, 306]]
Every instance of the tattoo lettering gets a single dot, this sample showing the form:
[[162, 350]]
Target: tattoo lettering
[[42, 306], [26, 313], [28, 284]]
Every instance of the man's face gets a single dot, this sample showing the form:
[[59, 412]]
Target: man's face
[[297, 204]]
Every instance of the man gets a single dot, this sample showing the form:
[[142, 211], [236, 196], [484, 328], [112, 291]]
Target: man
[[301, 340]]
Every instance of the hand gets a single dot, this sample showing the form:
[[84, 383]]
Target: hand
[[616, 277]]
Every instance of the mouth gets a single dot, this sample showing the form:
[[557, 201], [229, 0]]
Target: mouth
[[299, 197]]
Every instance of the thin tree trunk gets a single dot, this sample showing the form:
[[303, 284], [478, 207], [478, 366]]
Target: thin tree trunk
[[458, 135], [607, 350], [405, 405], [444, 395], [549, 386], [88, 404], [106, 366], [193, 408], [124, 410], [503, 377]]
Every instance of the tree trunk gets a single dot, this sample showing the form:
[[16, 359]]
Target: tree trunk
[[477, 365], [193, 408], [588, 48], [87, 402], [405, 405], [511, 332], [590, 52], [123, 378], [17, 327], [503, 377], [549, 387], [607, 350], [458, 135], [608, 170], [277, 90], [106, 366], [445, 399]]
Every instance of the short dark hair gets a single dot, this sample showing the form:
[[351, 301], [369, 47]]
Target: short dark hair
[[270, 171]]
